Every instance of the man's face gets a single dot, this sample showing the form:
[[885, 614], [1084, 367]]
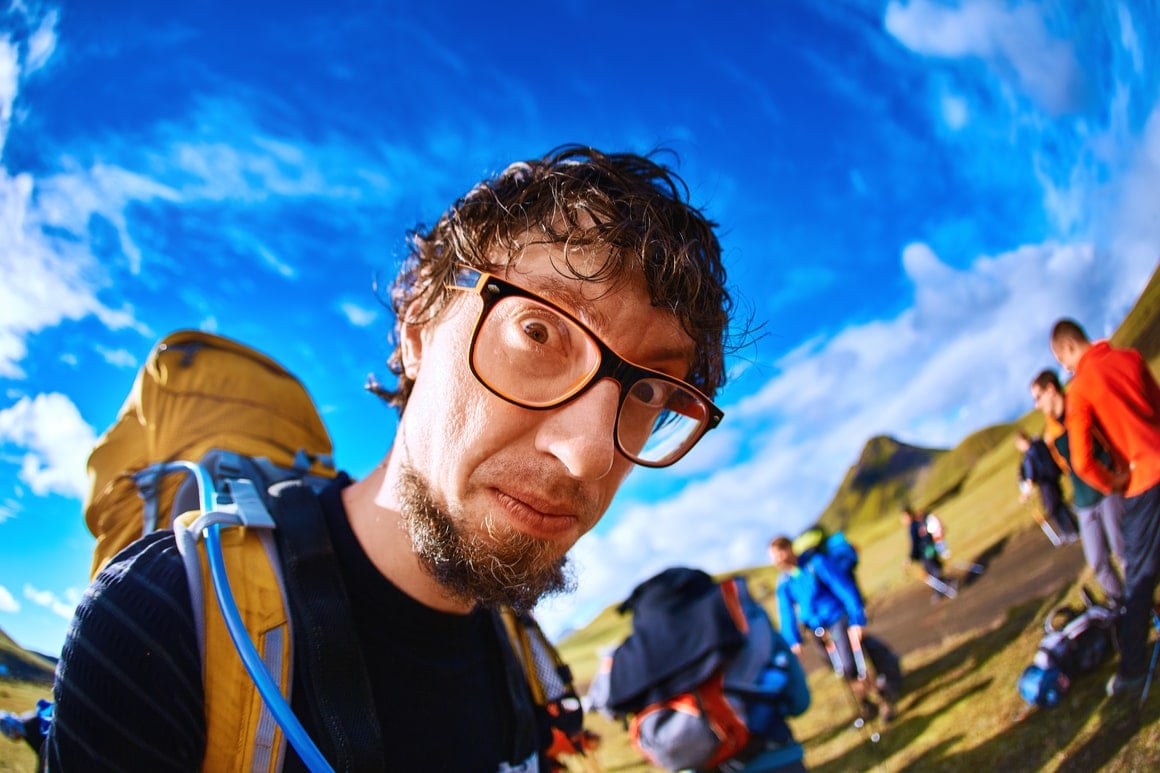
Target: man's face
[[1067, 352], [1047, 399], [514, 487], [780, 557]]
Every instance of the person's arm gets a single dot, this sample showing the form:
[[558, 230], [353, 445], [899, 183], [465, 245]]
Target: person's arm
[[1080, 423], [129, 693], [786, 616]]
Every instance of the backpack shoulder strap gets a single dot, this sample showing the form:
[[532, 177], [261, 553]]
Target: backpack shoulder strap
[[335, 674], [241, 732]]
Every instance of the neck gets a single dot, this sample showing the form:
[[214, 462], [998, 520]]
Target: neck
[[372, 508]]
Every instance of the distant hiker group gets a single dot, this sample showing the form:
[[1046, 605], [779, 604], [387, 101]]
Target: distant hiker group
[[1103, 433]]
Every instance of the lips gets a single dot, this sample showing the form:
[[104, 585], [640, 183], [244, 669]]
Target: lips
[[537, 517]]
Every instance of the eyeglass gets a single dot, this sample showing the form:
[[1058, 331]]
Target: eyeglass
[[532, 353]]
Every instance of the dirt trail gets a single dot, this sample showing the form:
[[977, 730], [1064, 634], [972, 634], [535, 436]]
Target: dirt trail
[[1020, 567]]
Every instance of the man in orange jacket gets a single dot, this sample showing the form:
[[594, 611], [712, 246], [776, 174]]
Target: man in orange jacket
[[1114, 391]]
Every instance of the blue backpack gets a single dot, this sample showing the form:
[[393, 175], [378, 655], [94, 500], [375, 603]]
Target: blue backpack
[[1084, 641]]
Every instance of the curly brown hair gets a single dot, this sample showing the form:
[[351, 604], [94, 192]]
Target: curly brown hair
[[577, 196]]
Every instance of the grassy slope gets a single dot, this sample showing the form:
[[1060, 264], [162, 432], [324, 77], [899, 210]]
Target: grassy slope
[[961, 697]]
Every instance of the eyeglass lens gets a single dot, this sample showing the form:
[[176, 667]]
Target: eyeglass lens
[[532, 355]]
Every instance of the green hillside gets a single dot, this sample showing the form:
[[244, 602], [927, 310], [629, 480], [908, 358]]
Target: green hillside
[[879, 483], [19, 664]]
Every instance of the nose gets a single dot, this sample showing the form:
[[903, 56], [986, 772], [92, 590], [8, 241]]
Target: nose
[[580, 433]]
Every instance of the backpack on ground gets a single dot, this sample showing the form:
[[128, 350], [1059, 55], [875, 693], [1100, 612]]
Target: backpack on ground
[[703, 679], [1074, 643], [252, 452]]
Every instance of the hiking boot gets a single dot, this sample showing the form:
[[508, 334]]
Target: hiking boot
[[1121, 686]]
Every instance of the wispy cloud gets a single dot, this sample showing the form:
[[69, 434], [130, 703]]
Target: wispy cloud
[[357, 315], [64, 607], [1013, 40], [56, 440], [118, 358], [9, 508], [8, 602]]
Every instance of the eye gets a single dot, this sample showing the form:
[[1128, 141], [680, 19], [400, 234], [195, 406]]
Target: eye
[[650, 393], [537, 331]]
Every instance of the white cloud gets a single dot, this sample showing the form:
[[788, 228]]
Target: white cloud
[[955, 112], [42, 42], [119, 358], [357, 315], [9, 508], [57, 442], [276, 264], [8, 603], [45, 279], [1013, 40], [61, 607]]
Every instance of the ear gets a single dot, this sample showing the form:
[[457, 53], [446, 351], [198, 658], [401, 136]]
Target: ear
[[411, 344]]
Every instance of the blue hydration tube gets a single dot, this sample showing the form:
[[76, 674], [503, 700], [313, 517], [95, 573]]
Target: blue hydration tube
[[283, 714]]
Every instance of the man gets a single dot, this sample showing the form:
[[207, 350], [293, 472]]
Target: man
[[1114, 391], [560, 324], [1099, 516], [827, 601], [1038, 468]]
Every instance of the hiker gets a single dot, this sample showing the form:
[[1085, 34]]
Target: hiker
[[828, 603], [1099, 516], [1037, 468], [1114, 389], [924, 552], [934, 527], [561, 323]]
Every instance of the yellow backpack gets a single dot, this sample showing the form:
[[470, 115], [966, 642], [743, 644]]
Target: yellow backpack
[[247, 439]]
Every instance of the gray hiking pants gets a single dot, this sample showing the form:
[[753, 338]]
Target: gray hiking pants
[[1101, 530], [842, 656]]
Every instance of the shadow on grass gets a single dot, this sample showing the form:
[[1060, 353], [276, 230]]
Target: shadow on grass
[[977, 651], [983, 562], [895, 737]]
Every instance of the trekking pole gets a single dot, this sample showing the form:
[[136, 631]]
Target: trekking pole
[[1041, 519], [940, 586], [859, 708], [1155, 652]]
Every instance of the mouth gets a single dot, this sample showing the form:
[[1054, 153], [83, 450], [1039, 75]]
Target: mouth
[[537, 517]]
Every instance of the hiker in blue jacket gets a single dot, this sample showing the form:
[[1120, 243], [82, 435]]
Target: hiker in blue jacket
[[827, 601]]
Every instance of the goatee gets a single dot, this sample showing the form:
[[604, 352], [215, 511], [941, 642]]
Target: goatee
[[492, 565]]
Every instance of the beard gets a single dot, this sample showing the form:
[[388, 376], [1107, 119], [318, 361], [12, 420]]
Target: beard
[[494, 565]]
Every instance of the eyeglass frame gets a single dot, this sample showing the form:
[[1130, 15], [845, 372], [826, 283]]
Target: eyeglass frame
[[492, 289]]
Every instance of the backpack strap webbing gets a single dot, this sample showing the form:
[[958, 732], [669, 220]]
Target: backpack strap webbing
[[524, 734], [331, 663]]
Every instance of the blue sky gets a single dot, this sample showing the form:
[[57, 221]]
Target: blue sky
[[909, 194]]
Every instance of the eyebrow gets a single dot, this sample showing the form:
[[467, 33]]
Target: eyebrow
[[559, 292]]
